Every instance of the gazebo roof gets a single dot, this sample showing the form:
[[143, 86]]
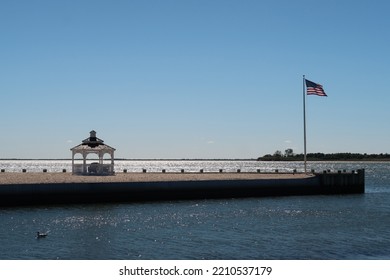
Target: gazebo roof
[[92, 144]]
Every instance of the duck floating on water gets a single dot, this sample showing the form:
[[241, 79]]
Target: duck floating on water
[[41, 234]]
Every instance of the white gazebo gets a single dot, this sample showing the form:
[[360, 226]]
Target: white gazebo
[[93, 145]]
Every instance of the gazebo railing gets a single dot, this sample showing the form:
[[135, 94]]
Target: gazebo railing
[[93, 169]]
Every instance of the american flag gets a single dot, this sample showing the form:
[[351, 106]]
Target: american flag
[[314, 89]]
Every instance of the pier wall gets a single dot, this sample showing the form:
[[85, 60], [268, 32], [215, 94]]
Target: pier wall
[[320, 184], [343, 183]]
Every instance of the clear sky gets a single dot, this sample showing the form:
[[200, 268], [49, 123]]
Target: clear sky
[[193, 78]]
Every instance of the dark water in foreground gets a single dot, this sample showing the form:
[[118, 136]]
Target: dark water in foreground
[[310, 227]]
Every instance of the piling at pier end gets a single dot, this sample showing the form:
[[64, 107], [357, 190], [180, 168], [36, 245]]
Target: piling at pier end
[[59, 188]]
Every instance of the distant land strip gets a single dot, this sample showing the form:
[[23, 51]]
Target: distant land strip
[[143, 159], [268, 157], [326, 157]]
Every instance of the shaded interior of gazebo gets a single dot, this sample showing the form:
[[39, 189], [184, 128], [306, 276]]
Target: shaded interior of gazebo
[[96, 146]]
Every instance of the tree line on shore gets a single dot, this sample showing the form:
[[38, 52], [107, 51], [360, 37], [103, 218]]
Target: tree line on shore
[[289, 155]]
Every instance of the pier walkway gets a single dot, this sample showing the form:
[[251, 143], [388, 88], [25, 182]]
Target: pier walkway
[[56, 178]]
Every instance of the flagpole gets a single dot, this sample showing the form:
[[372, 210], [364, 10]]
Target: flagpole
[[304, 125]]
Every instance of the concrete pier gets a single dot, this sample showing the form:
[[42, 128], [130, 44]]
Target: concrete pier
[[342, 182], [30, 189]]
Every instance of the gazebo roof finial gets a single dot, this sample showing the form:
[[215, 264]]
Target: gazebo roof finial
[[92, 140]]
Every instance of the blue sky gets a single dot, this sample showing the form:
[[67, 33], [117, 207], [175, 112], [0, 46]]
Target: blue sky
[[193, 79]]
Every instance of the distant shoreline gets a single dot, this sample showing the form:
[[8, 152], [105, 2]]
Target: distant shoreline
[[277, 156], [327, 160], [135, 159], [263, 159], [290, 156]]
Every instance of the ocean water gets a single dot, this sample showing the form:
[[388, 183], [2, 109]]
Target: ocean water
[[299, 227]]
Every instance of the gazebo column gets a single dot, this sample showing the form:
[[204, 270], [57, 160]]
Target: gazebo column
[[72, 162], [101, 155], [112, 161], [84, 163]]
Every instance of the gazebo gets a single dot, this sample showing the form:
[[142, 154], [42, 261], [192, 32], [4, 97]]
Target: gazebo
[[93, 145]]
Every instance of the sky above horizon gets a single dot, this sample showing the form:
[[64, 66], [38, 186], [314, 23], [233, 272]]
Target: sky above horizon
[[193, 79]]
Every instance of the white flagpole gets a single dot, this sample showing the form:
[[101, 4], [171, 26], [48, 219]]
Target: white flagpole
[[304, 125]]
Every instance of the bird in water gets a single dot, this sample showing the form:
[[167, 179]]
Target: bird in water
[[42, 234]]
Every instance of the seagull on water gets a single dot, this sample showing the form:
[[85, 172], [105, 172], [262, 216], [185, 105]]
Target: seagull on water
[[42, 234]]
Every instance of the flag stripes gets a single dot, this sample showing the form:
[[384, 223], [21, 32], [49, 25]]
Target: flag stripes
[[314, 89]]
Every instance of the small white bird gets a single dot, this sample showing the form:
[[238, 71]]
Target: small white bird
[[42, 234]]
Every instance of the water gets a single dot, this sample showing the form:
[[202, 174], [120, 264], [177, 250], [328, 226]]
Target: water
[[152, 165], [307, 227]]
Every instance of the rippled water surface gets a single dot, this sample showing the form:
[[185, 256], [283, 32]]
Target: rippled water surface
[[307, 227]]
